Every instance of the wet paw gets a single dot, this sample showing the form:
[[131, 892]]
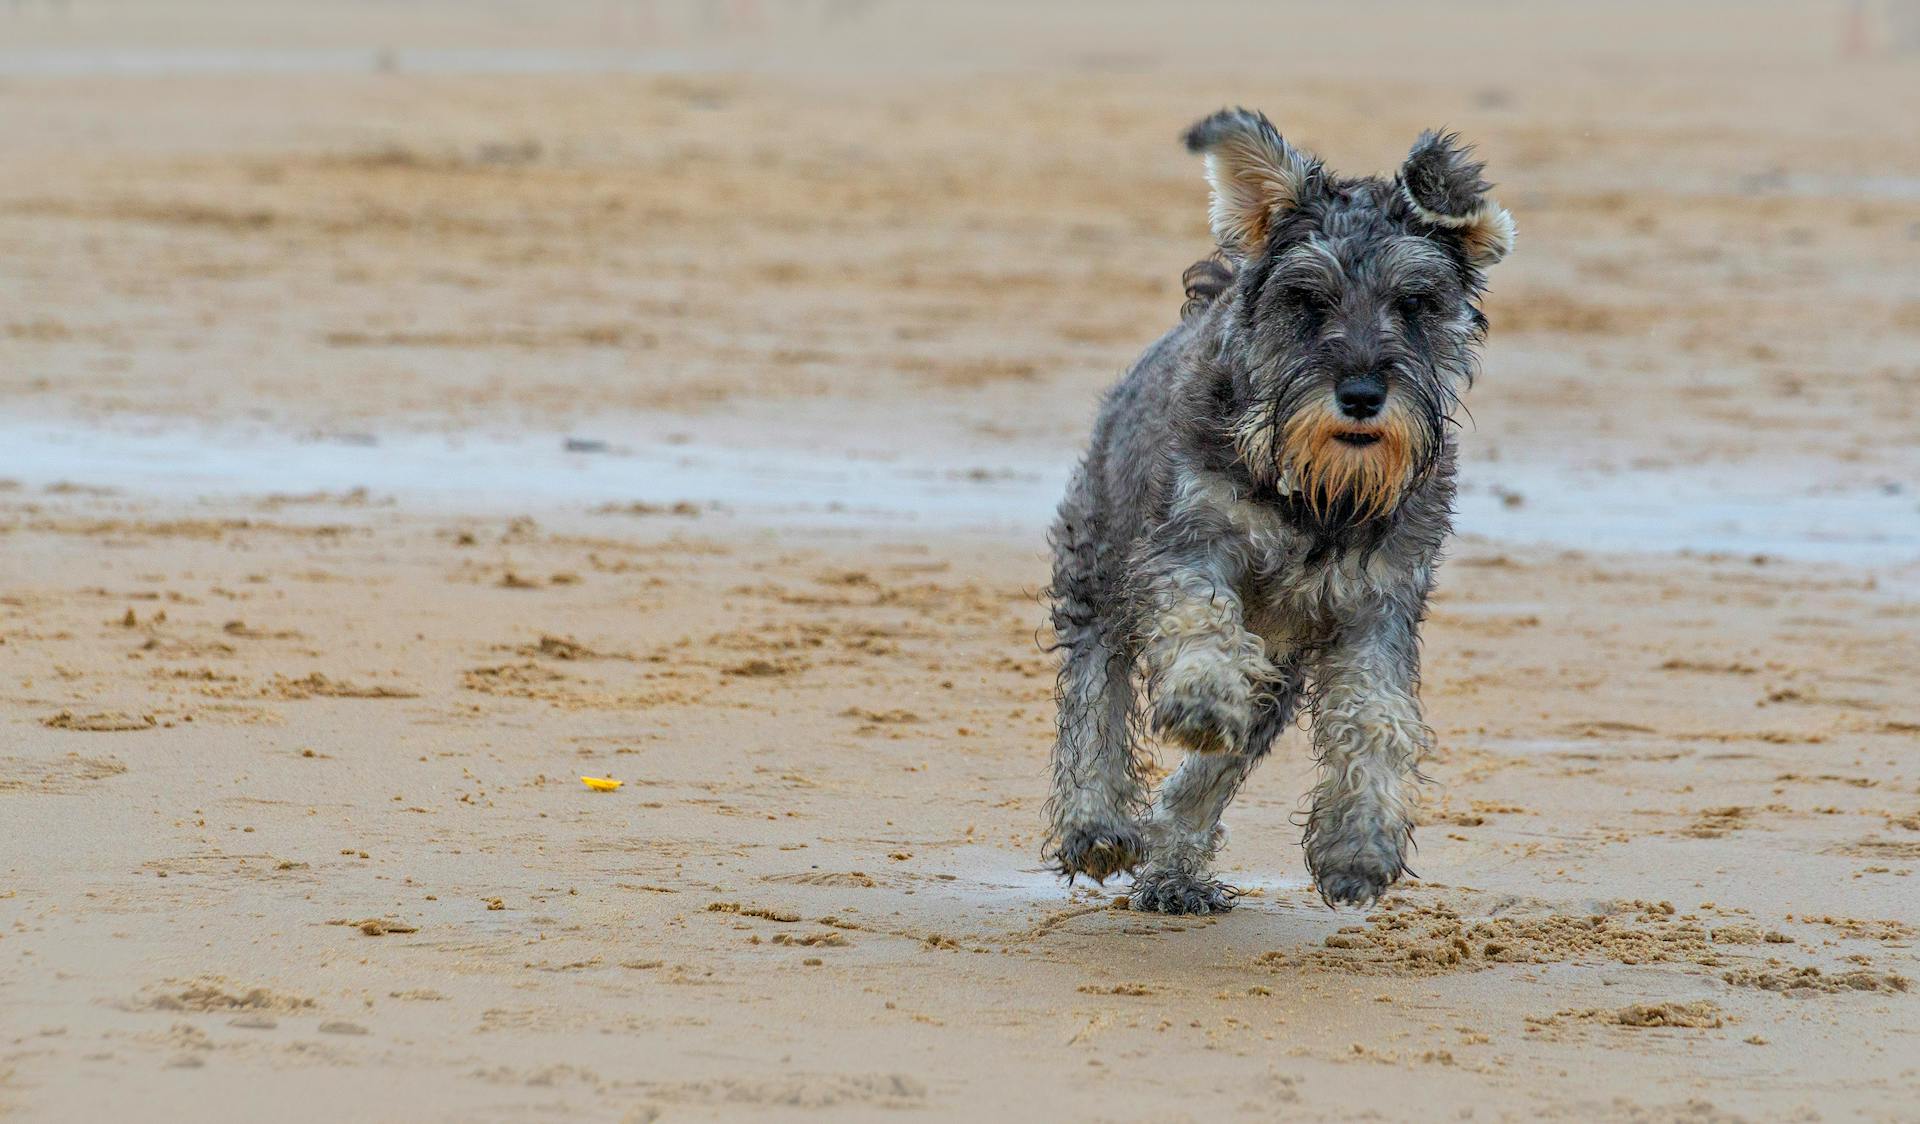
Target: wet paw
[[1099, 852], [1353, 874], [1170, 891], [1200, 723], [1359, 887]]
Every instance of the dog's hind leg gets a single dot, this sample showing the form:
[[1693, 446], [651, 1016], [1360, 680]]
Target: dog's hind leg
[[1097, 791], [1096, 784], [1184, 832]]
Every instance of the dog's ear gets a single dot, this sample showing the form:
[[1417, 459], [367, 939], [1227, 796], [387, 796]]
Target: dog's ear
[[1442, 183], [1255, 175]]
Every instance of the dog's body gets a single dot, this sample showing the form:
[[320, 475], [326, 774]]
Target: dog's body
[[1256, 524]]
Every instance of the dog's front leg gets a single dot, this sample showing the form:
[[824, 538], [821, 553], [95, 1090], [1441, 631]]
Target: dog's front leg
[[1184, 831], [1202, 662], [1369, 736]]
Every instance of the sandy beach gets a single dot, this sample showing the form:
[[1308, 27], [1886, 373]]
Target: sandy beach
[[411, 409]]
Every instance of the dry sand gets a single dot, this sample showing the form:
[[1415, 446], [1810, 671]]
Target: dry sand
[[310, 622]]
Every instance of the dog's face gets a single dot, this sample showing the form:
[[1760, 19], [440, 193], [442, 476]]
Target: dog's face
[[1352, 318]]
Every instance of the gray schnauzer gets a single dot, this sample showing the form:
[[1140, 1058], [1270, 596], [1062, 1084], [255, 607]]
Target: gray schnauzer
[[1256, 524]]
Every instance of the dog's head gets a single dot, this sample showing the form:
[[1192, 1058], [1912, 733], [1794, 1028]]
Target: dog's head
[[1351, 318]]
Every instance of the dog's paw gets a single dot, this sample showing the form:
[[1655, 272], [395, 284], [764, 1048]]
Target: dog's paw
[[1099, 852], [1356, 871], [1356, 886], [1171, 891], [1201, 723]]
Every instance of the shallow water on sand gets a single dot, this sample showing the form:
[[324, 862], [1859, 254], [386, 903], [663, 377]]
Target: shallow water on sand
[[1754, 509]]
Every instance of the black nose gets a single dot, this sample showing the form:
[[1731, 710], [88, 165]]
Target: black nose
[[1361, 396]]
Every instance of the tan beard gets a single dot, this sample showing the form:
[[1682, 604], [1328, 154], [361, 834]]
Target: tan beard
[[1323, 471]]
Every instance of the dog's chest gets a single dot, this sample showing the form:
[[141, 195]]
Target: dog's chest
[[1296, 597], [1297, 605]]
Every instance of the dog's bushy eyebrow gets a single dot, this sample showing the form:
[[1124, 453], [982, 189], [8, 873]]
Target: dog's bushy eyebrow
[[1406, 262], [1307, 262], [1410, 262]]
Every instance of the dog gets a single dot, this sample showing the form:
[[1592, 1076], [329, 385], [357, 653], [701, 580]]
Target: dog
[[1255, 526]]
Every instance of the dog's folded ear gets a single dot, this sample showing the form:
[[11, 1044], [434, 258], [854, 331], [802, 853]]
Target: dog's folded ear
[[1254, 173], [1442, 183]]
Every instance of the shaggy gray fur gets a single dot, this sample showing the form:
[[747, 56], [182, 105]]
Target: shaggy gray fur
[[1203, 591]]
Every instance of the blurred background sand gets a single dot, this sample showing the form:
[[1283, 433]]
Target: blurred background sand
[[411, 406]]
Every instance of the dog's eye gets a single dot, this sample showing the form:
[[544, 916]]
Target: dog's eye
[[1309, 300], [1413, 306]]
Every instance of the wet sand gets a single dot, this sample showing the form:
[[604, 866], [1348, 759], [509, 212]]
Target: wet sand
[[387, 445]]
